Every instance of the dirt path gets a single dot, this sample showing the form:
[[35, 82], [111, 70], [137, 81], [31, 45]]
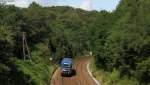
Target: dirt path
[[82, 76]]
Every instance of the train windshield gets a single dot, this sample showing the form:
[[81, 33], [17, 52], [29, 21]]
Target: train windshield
[[66, 65]]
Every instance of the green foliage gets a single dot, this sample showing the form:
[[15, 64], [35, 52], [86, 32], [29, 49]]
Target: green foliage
[[119, 40], [111, 78], [143, 71], [45, 27], [39, 68], [126, 47], [6, 52]]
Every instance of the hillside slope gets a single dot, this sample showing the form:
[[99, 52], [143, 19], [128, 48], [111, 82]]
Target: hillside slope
[[126, 48]]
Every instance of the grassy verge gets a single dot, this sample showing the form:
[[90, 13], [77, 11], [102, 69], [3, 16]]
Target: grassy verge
[[110, 78]]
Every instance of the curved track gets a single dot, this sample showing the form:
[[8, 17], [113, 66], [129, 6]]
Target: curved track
[[82, 76]]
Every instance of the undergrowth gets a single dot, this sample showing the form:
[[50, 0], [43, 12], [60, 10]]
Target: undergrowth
[[39, 70], [111, 78]]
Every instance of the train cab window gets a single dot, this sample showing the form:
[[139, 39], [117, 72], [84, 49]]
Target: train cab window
[[66, 65]]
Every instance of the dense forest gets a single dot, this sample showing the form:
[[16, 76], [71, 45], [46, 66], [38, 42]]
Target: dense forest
[[119, 40], [125, 45], [51, 32]]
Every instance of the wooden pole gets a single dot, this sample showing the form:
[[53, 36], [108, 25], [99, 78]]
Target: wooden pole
[[25, 47], [23, 43]]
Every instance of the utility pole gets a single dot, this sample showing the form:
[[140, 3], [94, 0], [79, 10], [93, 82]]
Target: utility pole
[[25, 48]]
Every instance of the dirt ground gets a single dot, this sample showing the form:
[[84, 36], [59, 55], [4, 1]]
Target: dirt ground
[[82, 77]]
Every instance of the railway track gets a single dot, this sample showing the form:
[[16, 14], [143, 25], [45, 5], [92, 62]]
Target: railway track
[[81, 77]]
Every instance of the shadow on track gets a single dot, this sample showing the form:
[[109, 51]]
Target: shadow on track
[[70, 75]]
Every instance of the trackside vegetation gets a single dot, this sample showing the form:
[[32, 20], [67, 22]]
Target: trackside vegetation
[[111, 78], [122, 54], [119, 41], [51, 32]]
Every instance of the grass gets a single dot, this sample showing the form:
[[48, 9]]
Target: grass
[[110, 78]]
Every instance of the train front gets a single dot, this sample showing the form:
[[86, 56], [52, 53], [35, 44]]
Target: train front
[[66, 66]]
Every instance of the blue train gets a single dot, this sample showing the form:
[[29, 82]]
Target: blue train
[[66, 66]]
